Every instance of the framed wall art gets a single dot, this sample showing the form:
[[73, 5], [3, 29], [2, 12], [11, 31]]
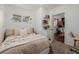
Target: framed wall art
[[19, 18], [16, 18]]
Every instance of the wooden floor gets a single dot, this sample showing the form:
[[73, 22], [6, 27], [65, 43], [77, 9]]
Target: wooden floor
[[59, 48]]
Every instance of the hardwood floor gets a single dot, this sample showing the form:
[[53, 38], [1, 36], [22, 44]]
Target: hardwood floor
[[59, 48], [59, 37]]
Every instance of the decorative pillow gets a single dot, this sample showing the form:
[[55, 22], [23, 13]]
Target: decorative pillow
[[9, 32], [29, 30], [23, 32], [17, 32]]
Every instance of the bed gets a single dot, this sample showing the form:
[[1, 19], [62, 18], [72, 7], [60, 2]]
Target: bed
[[25, 44]]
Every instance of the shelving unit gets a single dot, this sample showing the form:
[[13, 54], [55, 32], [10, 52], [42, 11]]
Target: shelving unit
[[45, 22]]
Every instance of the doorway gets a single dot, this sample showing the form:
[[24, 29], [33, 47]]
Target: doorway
[[59, 27]]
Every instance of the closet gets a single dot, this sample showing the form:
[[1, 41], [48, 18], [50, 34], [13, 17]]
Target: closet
[[59, 26]]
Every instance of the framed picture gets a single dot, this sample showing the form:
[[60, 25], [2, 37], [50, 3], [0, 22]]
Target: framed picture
[[19, 18], [26, 18], [16, 18]]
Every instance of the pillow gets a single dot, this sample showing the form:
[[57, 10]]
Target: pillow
[[26, 31], [29, 30], [23, 32], [9, 32], [17, 32]]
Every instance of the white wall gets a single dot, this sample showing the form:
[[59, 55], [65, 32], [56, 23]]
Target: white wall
[[13, 9], [1, 22], [71, 20], [37, 16], [41, 12]]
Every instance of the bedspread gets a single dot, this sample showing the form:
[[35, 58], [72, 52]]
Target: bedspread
[[33, 45]]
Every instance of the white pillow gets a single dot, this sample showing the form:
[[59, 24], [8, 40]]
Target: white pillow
[[17, 32], [29, 30], [23, 32]]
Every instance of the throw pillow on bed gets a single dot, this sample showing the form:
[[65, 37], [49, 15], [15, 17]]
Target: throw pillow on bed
[[23, 32]]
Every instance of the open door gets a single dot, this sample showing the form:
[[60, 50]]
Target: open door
[[59, 25]]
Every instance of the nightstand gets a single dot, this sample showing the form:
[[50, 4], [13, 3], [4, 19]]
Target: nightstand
[[76, 41]]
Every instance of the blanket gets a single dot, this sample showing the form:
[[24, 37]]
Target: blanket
[[31, 44]]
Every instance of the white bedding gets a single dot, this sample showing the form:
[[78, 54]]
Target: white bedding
[[18, 40]]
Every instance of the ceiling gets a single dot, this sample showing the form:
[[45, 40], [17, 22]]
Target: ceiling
[[36, 6]]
